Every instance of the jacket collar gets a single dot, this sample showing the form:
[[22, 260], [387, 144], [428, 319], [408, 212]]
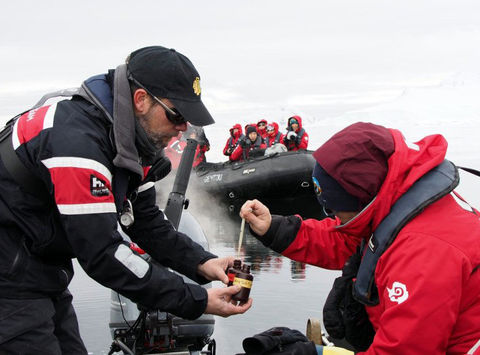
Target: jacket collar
[[113, 98]]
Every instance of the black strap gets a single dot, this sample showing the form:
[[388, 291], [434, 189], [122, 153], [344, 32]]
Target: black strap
[[17, 170], [470, 170], [300, 134], [277, 138], [432, 186], [120, 187]]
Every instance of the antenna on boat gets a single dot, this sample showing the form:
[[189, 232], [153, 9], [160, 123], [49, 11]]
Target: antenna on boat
[[176, 199]]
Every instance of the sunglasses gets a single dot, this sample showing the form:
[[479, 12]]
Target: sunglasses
[[261, 125], [318, 191], [172, 114]]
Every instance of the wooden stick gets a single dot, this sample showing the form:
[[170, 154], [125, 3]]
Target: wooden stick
[[240, 238]]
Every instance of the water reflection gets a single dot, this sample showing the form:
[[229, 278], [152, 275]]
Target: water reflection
[[297, 270], [284, 292]]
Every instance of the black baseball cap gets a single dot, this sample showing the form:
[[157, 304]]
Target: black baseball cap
[[169, 74]]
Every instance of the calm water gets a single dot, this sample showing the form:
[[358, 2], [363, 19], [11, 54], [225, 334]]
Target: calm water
[[285, 293]]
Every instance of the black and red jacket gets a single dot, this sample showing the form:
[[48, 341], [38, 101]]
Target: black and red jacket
[[70, 147], [243, 152]]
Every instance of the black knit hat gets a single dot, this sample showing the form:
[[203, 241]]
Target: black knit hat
[[331, 194], [169, 74], [251, 129]]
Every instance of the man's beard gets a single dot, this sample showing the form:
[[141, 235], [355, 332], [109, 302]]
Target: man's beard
[[159, 140]]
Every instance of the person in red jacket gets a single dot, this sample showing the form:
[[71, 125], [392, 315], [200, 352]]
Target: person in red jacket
[[232, 141], [262, 128], [273, 135], [417, 275], [250, 146], [296, 138], [203, 146]]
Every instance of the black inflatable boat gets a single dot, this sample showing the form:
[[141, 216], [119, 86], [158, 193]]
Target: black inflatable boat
[[282, 181]]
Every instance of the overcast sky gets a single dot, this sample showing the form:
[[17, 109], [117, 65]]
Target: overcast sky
[[248, 53], [408, 64]]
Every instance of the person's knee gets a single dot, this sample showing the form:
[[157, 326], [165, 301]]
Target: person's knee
[[28, 327]]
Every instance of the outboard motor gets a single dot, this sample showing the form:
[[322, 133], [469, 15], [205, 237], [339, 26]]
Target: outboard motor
[[136, 330]]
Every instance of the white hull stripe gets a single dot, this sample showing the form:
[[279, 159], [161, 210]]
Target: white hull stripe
[[474, 348], [146, 186], [87, 208], [75, 162], [131, 261]]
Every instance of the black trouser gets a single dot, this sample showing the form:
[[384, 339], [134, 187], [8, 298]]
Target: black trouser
[[40, 326]]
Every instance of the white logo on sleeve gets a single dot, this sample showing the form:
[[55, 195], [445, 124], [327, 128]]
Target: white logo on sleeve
[[398, 293], [97, 187]]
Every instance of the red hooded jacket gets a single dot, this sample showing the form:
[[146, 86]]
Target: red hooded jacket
[[200, 154], [262, 132], [428, 280], [232, 140], [300, 141], [274, 137]]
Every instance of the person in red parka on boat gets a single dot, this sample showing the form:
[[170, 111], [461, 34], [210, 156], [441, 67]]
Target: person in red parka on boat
[[296, 137], [251, 145], [273, 135], [412, 243], [232, 141], [262, 128]]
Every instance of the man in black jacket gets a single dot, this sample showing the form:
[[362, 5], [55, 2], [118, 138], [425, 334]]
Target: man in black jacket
[[93, 157]]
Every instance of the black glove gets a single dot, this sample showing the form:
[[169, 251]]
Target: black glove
[[344, 316], [279, 340], [358, 329], [333, 308]]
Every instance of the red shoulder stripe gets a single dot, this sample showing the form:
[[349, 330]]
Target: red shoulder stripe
[[31, 123], [81, 185]]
